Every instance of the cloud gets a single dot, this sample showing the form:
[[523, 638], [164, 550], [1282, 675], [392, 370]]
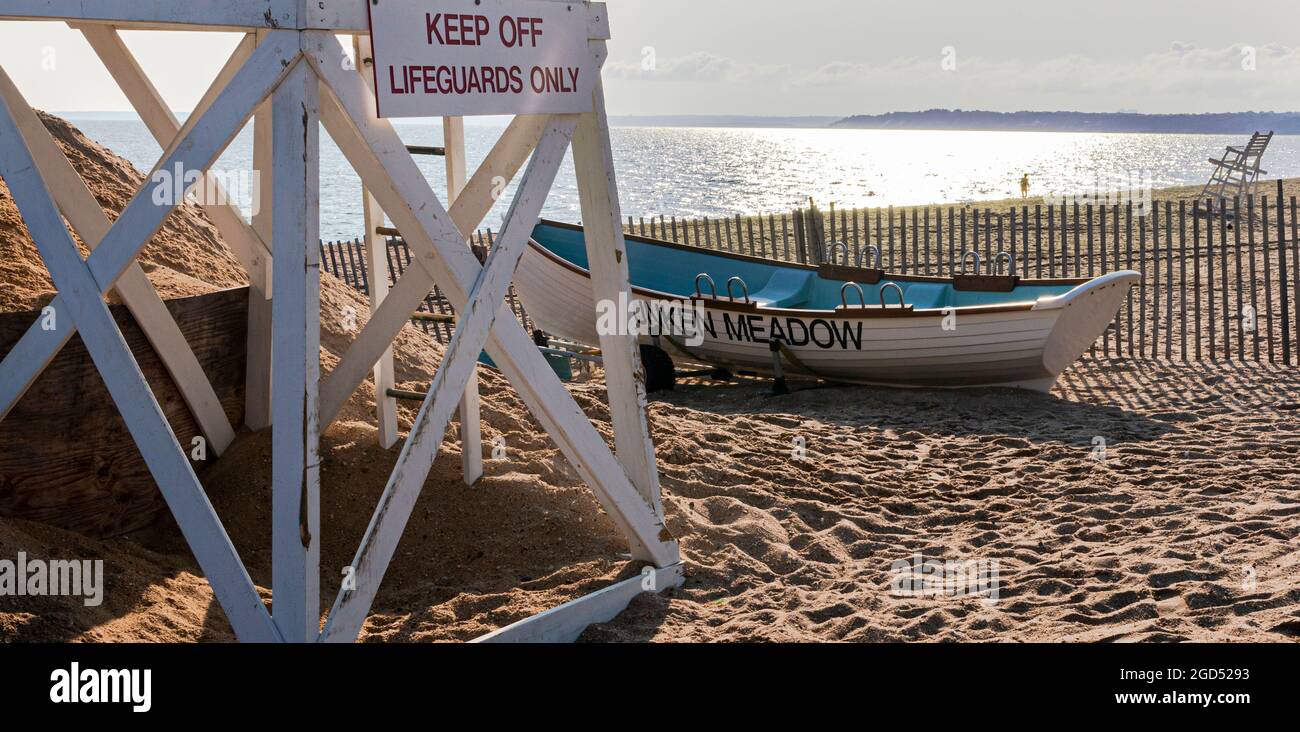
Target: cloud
[[699, 67], [1181, 78]]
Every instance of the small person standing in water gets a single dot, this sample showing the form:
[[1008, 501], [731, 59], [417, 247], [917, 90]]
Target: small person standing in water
[[1024, 186]]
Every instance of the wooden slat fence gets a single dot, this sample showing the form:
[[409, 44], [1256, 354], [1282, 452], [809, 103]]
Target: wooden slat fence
[[346, 260], [1218, 284]]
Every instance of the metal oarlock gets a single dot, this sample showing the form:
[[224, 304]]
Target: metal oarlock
[[899, 290], [844, 291], [778, 381], [713, 289], [966, 258], [874, 262], [1009, 258], [841, 246], [743, 288]]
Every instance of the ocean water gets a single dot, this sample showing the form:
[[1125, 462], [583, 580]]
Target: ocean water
[[691, 171]]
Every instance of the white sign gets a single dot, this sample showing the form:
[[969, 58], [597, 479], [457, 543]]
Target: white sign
[[472, 57]]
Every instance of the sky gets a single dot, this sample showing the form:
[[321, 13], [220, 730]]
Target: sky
[[827, 57]]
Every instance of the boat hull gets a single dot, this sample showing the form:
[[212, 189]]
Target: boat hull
[[1025, 345]]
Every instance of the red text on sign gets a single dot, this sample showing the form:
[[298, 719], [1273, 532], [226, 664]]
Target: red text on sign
[[457, 29], [517, 32]]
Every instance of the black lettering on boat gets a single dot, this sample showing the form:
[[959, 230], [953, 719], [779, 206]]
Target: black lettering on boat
[[738, 330], [852, 331], [796, 340], [757, 328], [778, 332], [830, 333], [709, 326]]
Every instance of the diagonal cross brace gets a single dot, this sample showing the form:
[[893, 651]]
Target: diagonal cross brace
[[82, 298], [458, 364], [142, 217], [37, 347], [388, 171], [253, 253], [500, 166], [196, 151]]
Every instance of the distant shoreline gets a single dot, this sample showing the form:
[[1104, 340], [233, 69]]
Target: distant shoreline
[[1232, 123]]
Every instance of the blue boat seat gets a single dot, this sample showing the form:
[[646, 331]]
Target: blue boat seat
[[925, 295], [786, 288]]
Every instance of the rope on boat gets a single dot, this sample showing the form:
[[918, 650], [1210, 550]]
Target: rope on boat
[[778, 376], [795, 360]]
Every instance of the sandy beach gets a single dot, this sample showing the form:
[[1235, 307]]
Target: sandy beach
[[1140, 500], [1185, 531]]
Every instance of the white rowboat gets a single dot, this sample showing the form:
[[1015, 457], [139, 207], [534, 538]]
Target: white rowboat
[[835, 322]]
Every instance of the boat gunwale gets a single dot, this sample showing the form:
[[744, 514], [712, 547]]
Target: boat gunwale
[[932, 279], [755, 308]]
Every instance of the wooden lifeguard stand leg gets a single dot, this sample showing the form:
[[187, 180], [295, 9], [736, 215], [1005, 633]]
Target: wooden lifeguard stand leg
[[295, 411], [377, 265], [471, 430], [607, 259]]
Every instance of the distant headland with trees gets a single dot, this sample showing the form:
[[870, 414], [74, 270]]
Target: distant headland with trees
[[1230, 123]]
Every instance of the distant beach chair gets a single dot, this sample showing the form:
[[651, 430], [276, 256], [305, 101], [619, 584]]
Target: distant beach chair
[[1236, 173]]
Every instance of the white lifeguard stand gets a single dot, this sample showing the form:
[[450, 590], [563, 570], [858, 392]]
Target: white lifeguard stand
[[1237, 172], [290, 74]]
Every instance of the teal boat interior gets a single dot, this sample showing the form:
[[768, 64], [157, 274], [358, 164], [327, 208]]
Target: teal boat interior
[[673, 269]]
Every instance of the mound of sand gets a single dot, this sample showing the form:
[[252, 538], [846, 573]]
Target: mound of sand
[[186, 257]]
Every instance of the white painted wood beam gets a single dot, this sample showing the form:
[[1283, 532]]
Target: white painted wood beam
[[471, 429], [82, 296], [295, 349], [458, 364], [607, 259], [565, 623], [257, 361], [250, 249], [212, 15], [385, 373], [83, 212], [382, 161], [339, 16]]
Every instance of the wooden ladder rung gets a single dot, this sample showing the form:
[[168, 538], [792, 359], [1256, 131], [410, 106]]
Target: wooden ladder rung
[[405, 395], [433, 318]]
